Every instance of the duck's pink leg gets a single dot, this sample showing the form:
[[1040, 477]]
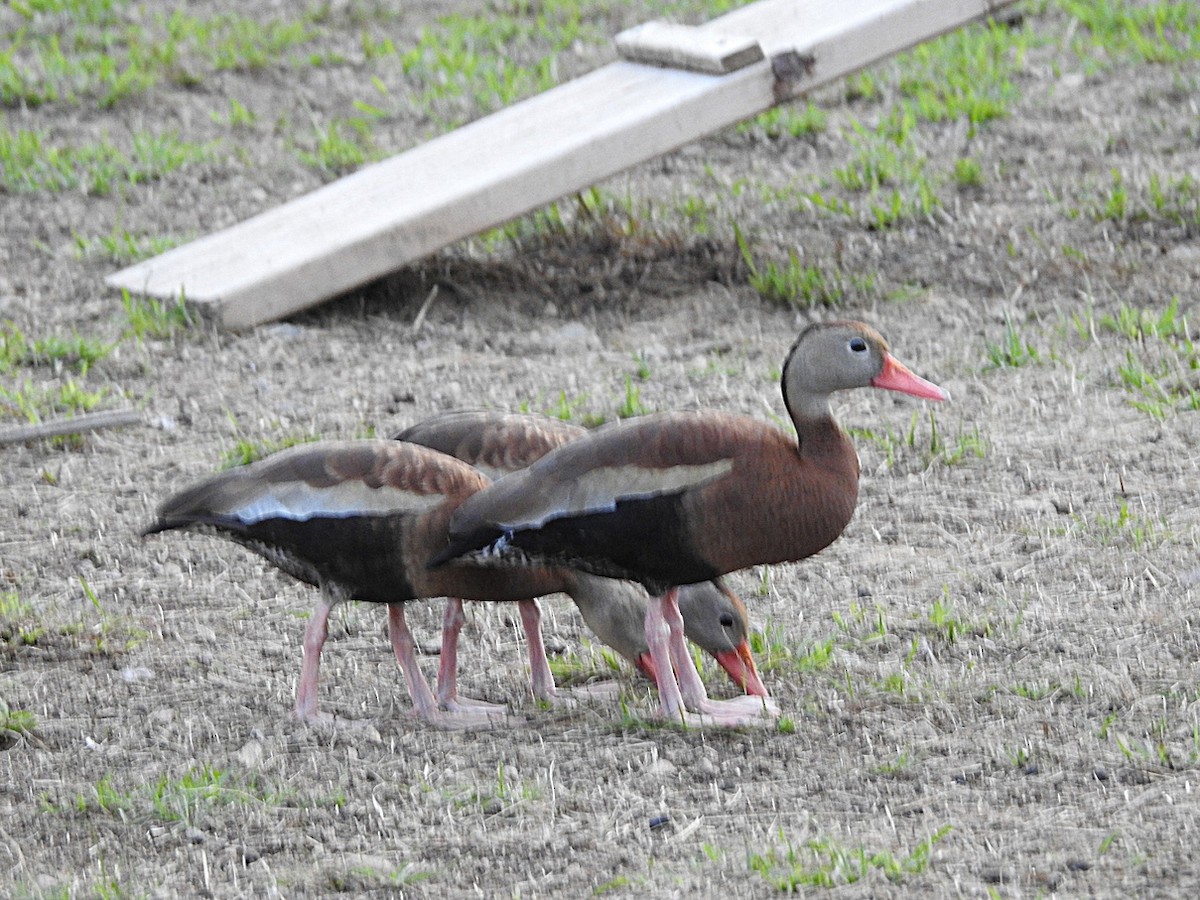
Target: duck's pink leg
[[745, 710], [658, 639], [695, 696], [452, 623], [405, 649], [306, 708], [447, 684], [541, 680]]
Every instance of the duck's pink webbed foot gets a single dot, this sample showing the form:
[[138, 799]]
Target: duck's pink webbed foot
[[425, 705], [682, 696], [448, 670]]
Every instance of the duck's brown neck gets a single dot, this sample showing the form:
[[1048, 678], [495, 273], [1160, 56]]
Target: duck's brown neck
[[822, 442]]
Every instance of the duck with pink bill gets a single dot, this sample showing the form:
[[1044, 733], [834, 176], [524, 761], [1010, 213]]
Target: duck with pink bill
[[680, 498], [360, 520], [500, 443]]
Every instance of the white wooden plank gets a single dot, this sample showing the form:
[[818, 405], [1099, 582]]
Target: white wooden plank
[[688, 47], [392, 213]]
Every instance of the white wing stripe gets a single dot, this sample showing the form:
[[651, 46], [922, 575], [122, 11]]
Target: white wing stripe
[[301, 502], [601, 489]]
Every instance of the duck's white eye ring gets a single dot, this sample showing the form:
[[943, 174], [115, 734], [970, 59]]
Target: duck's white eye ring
[[858, 345]]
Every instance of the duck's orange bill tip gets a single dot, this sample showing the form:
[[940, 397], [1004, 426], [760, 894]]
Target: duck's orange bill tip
[[738, 664], [898, 377]]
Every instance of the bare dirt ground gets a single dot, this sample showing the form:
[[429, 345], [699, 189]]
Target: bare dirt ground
[[992, 676]]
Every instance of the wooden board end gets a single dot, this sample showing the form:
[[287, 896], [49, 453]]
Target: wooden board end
[[689, 47]]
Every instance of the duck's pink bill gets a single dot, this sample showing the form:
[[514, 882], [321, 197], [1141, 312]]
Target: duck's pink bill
[[738, 663], [898, 377], [645, 665]]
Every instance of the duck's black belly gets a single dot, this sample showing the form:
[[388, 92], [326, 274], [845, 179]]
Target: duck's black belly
[[643, 540], [363, 554]]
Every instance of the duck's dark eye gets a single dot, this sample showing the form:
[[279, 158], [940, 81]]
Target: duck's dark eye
[[858, 345], [726, 620]]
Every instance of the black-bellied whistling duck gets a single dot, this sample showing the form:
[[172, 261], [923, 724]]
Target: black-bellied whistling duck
[[498, 444], [360, 519], [678, 498]]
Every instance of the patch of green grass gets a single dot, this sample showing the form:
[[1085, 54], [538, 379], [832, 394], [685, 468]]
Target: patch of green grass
[[697, 211], [1174, 199], [492, 798], [154, 318], [121, 246], [1034, 690], [1161, 372], [966, 74], [608, 225], [968, 173], [613, 884], [1141, 323], [1167, 199], [538, 224], [342, 146], [924, 443], [902, 763], [773, 652], [1012, 351], [466, 65], [797, 284], [861, 622], [1019, 757], [57, 55], [937, 447], [1115, 31], [943, 619], [828, 862], [863, 86], [572, 668], [1126, 526], [33, 403], [103, 797], [632, 406], [889, 171], [1167, 384], [109, 634], [18, 624], [1149, 749], [235, 42], [568, 409], [105, 52], [897, 683], [237, 115], [582, 410], [246, 450], [187, 798], [77, 352], [367, 879], [788, 121], [880, 158], [104, 635], [1137, 323], [30, 162], [14, 724]]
